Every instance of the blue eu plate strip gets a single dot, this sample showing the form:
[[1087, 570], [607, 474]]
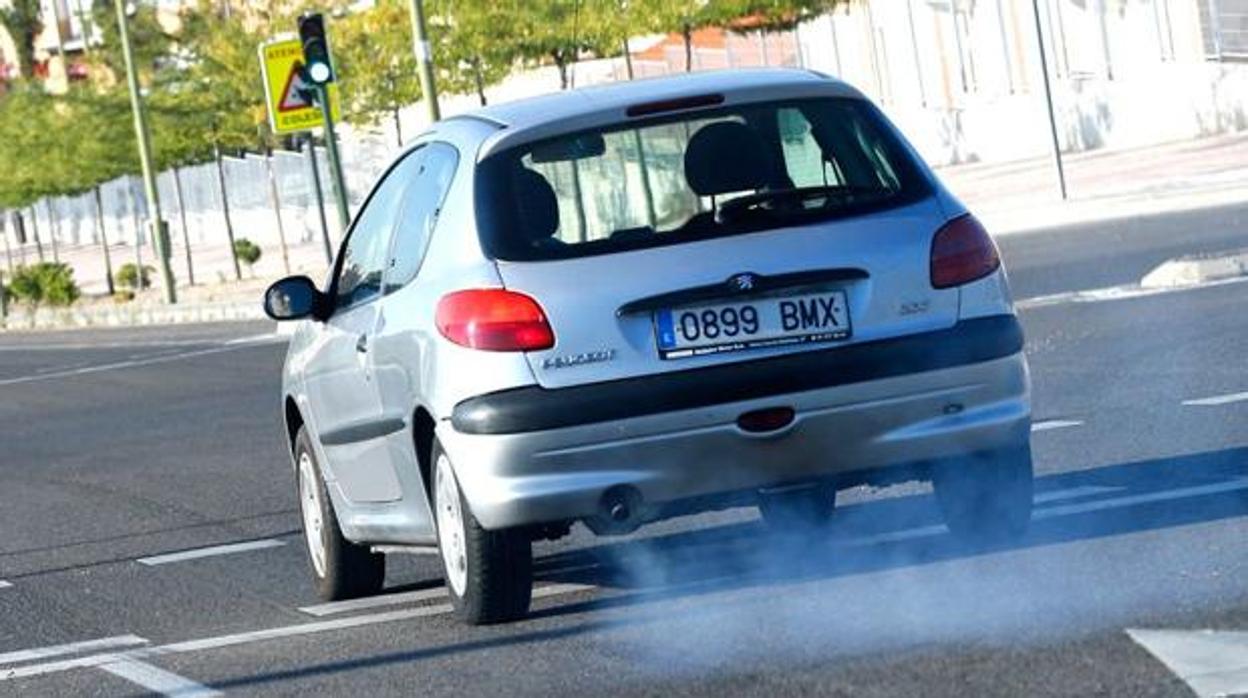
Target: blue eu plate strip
[[666, 328]]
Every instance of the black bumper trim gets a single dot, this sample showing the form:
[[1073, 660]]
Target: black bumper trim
[[535, 408]]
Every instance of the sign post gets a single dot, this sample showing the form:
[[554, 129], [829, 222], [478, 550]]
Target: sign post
[[296, 103]]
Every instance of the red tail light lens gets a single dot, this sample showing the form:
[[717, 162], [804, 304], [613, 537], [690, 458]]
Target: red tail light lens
[[494, 320], [962, 252]]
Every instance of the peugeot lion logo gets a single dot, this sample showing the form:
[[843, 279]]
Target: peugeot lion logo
[[743, 282]]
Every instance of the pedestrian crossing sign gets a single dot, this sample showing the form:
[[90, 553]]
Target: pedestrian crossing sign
[[287, 93]]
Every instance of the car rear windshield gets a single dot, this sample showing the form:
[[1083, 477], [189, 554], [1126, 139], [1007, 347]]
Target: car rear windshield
[[729, 171]]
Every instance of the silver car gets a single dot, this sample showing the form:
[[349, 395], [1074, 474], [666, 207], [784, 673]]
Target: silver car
[[626, 303]]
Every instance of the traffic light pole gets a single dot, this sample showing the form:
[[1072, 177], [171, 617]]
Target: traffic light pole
[[335, 163], [159, 232]]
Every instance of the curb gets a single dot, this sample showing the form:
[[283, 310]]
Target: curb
[[1191, 271], [123, 316]]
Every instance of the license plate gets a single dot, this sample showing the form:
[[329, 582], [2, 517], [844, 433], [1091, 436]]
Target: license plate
[[761, 322]]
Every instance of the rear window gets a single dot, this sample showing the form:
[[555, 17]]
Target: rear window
[[708, 174]]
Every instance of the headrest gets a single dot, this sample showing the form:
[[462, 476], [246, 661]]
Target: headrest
[[537, 204], [725, 157]]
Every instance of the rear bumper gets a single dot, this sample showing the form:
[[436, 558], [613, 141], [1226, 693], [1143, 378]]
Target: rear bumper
[[692, 448], [535, 408]]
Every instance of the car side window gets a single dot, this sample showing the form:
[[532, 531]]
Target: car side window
[[364, 257], [422, 203]]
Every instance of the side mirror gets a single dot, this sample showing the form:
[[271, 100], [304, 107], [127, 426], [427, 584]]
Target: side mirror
[[294, 298]]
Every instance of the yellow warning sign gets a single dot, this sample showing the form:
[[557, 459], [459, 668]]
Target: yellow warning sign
[[291, 105]]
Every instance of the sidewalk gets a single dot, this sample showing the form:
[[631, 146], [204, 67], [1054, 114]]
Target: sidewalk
[[1103, 185], [1010, 198]]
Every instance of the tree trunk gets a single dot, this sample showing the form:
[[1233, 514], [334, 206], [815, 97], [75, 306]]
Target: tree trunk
[[225, 210], [562, 64], [398, 126], [186, 234], [99, 226], [53, 230], [628, 59], [476, 74], [687, 33], [275, 199], [34, 231]]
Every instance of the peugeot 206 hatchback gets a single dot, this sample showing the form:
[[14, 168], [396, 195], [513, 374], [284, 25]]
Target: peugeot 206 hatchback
[[621, 304]]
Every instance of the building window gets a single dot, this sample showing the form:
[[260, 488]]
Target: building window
[[1224, 28]]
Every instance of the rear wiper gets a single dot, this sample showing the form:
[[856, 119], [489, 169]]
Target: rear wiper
[[775, 200]]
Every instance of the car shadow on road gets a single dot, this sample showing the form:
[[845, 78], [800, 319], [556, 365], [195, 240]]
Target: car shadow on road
[[868, 537], [904, 531]]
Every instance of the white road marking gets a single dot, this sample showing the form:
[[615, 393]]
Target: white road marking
[[105, 643], [1073, 493], [1217, 400], [332, 608], [1050, 424], [266, 338], [1115, 293], [1148, 498], [246, 638], [4, 584], [157, 680], [210, 552], [1053, 512], [335, 607], [1211, 662], [121, 365]]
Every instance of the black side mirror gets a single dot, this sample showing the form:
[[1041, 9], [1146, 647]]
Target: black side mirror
[[295, 298]]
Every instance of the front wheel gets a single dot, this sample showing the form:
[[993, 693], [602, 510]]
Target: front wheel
[[489, 574], [987, 497], [340, 569]]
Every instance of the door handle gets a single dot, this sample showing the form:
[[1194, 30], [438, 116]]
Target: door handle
[[361, 344]]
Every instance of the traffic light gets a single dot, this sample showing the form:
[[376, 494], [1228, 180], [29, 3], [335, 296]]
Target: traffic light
[[316, 61]]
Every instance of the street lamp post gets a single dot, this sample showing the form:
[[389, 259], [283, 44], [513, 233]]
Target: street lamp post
[[159, 231], [424, 56]]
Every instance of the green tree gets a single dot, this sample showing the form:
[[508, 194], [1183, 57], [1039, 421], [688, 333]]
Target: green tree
[[21, 19], [376, 64]]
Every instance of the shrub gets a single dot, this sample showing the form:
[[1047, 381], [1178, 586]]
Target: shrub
[[128, 275], [50, 283], [247, 252]]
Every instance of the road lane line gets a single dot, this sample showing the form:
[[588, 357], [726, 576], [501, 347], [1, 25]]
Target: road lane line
[[210, 552], [1074, 493], [1051, 424], [246, 638], [4, 584], [1147, 498], [157, 680], [1217, 400], [119, 365], [336, 607], [1116, 293], [104, 643]]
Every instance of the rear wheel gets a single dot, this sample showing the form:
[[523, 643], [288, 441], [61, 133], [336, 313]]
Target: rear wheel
[[986, 498], [489, 574], [804, 510], [340, 569]]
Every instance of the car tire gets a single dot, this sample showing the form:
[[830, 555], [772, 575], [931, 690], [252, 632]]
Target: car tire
[[489, 574], [987, 497], [340, 569], [806, 510]]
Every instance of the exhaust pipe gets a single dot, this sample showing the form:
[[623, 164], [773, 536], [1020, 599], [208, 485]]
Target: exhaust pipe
[[619, 512]]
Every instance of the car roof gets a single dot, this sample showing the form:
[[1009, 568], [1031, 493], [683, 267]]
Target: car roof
[[538, 117]]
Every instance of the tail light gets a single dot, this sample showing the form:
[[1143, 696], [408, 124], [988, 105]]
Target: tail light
[[494, 320], [962, 252]]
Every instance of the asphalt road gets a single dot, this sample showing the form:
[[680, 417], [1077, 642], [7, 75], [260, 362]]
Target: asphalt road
[[120, 446]]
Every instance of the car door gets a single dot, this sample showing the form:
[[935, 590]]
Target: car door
[[343, 399], [406, 315]]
